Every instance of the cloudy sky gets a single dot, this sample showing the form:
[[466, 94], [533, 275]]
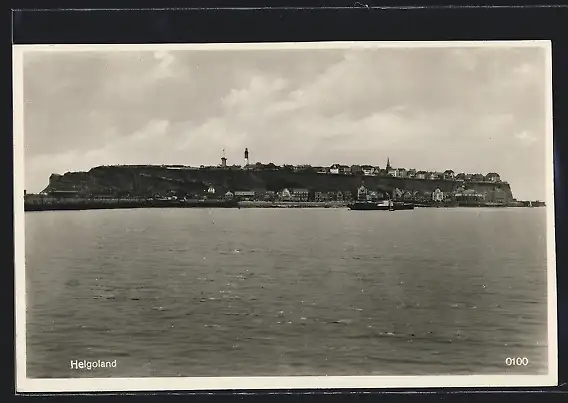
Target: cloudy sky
[[467, 109]]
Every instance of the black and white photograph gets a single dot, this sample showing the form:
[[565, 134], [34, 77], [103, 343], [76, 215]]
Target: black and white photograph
[[284, 216]]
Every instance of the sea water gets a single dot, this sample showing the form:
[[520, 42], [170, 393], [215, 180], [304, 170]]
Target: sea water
[[259, 292]]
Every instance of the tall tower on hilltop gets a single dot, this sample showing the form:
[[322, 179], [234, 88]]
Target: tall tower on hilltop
[[224, 160], [388, 164], [246, 156]]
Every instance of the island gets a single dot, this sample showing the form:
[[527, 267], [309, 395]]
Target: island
[[268, 185]]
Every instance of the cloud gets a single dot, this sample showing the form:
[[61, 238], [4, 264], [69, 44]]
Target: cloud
[[259, 90], [425, 108], [525, 138], [134, 76], [137, 148], [165, 66]]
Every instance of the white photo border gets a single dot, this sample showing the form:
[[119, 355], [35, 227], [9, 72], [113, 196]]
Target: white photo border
[[25, 384]]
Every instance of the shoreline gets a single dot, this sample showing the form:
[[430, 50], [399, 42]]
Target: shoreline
[[69, 205], [117, 204]]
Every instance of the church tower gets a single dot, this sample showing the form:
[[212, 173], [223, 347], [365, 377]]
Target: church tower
[[246, 157], [388, 164]]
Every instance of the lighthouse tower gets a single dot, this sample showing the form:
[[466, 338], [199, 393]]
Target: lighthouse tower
[[224, 160], [246, 157]]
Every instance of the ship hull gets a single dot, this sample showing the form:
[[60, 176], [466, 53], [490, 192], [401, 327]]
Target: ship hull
[[367, 206]]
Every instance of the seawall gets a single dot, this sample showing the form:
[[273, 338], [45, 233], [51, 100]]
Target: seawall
[[85, 204]]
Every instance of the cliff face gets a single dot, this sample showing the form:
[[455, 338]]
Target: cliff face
[[148, 180]]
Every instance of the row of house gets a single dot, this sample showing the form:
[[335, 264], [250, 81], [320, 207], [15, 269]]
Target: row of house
[[365, 170], [287, 194], [459, 194], [368, 170], [362, 193], [304, 195]]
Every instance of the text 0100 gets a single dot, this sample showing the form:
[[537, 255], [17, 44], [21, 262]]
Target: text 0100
[[517, 361]]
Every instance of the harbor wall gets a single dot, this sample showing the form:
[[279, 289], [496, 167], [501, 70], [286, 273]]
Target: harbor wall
[[55, 204], [85, 204]]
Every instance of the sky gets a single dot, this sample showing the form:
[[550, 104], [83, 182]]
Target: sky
[[469, 109]]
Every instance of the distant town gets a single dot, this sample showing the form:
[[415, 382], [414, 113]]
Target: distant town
[[270, 184], [340, 169]]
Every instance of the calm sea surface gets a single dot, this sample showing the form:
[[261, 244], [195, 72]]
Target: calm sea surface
[[228, 292]]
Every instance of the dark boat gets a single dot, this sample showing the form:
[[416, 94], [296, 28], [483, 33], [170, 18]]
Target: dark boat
[[384, 205]]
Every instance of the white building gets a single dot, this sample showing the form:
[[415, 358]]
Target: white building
[[493, 177], [361, 192], [334, 169], [421, 175], [401, 173], [438, 195], [285, 194], [449, 174], [244, 194]]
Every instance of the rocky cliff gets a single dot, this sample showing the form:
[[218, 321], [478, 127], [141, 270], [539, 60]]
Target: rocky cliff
[[152, 180]]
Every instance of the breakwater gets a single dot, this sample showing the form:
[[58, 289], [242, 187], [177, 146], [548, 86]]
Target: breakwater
[[87, 204], [276, 204], [119, 204]]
